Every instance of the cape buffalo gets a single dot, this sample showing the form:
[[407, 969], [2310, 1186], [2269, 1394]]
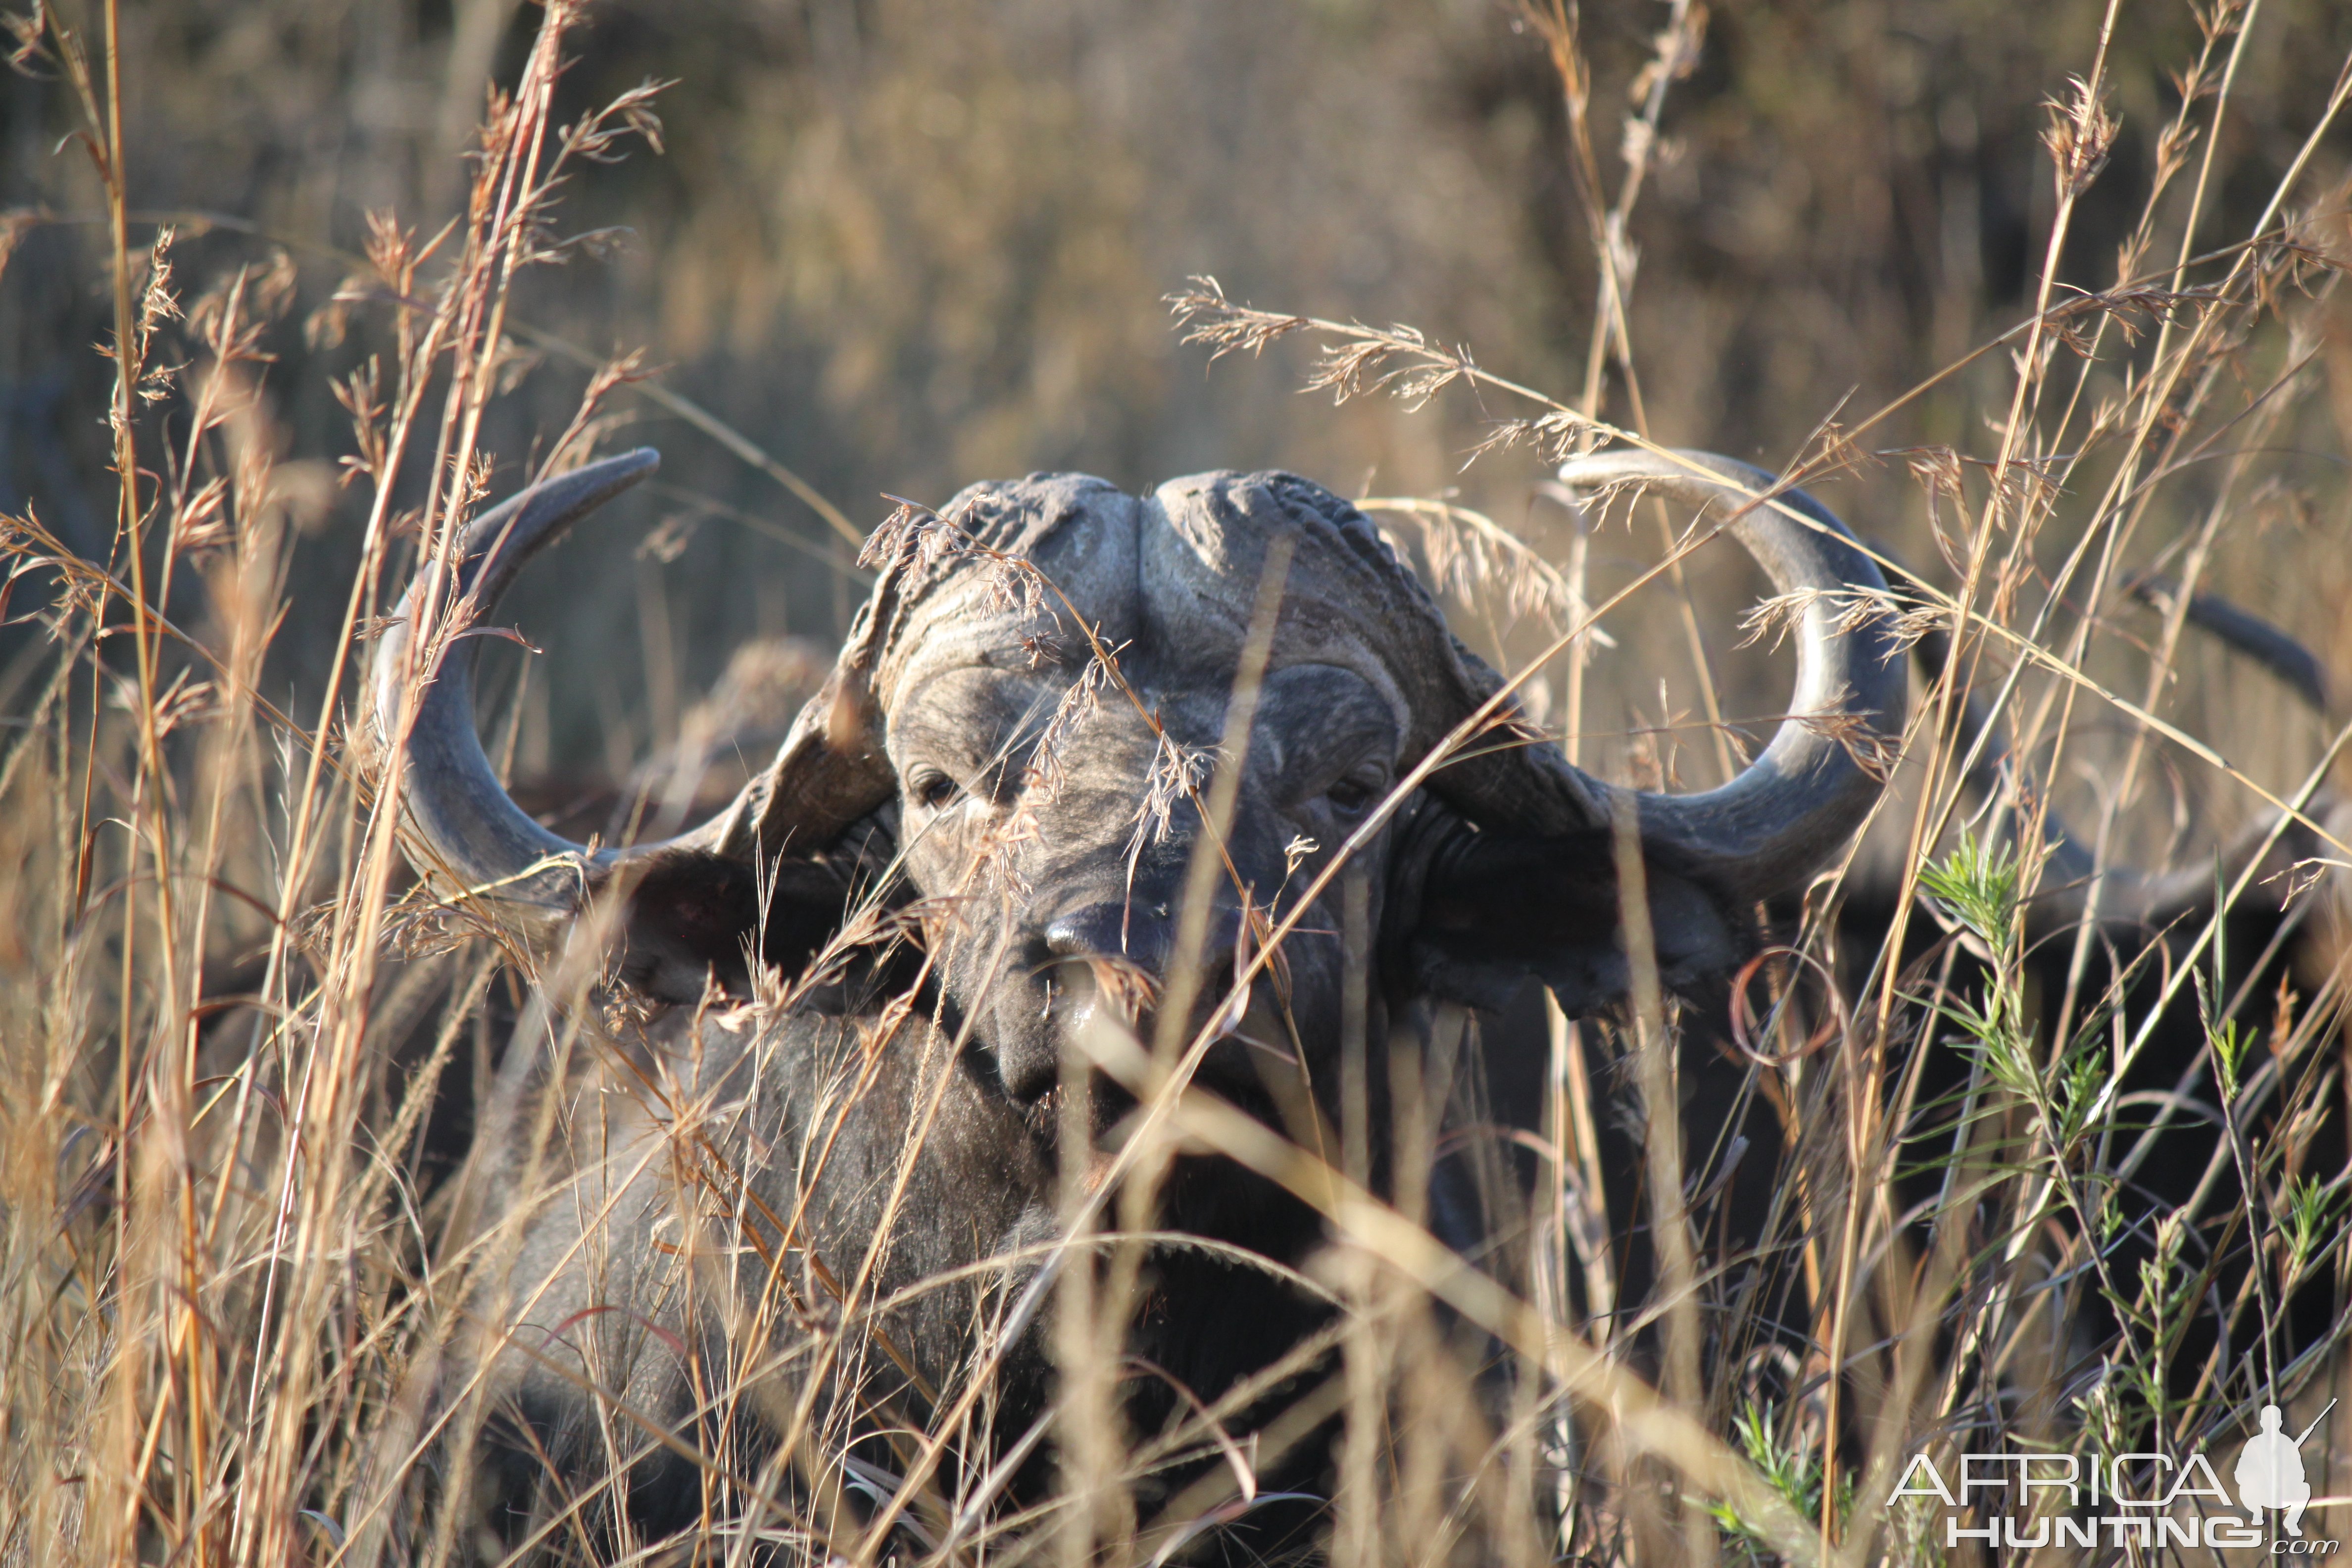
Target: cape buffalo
[[1083, 756]]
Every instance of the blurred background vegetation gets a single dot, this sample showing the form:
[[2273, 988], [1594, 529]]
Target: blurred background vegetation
[[900, 247], [903, 246]]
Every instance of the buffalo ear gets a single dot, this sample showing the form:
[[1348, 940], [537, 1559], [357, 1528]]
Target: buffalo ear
[[1497, 908], [691, 917]]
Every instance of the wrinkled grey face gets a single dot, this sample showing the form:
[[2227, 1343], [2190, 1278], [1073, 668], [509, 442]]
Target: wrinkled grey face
[[1071, 879], [1052, 826]]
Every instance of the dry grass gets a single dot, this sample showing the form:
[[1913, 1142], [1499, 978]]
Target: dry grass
[[233, 1257]]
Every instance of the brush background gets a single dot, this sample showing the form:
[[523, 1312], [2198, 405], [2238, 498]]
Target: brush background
[[906, 246]]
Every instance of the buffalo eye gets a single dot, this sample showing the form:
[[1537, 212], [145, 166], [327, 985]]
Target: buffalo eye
[[1353, 794], [930, 788]]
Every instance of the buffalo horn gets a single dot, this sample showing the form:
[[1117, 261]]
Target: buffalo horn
[[1789, 809], [465, 828]]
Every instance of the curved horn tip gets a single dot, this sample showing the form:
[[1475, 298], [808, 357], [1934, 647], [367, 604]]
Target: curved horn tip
[[500, 539], [1685, 465], [576, 492], [623, 468]]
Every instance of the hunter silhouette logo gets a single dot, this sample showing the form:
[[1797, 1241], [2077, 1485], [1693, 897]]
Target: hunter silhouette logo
[[2270, 1472], [2145, 1499]]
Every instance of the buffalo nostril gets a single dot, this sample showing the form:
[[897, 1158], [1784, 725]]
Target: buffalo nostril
[[1104, 931], [1128, 947]]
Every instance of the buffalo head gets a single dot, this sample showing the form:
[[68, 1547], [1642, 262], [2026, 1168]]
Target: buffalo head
[[1052, 678]]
